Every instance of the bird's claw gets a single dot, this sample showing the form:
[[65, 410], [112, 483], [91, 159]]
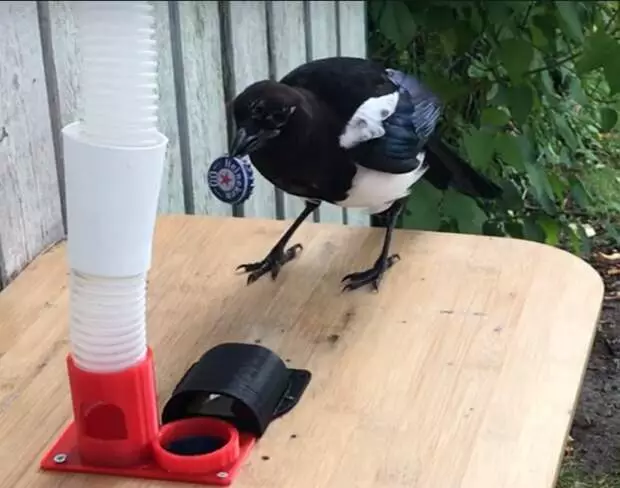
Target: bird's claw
[[272, 263], [371, 276]]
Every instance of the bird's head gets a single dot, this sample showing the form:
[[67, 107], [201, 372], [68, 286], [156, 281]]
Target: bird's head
[[261, 113]]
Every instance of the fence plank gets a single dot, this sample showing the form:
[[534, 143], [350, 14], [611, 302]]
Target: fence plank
[[352, 42], [201, 61], [30, 212], [288, 50], [250, 63], [171, 195], [68, 65], [322, 38], [66, 59]]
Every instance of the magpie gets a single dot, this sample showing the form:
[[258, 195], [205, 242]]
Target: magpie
[[353, 133]]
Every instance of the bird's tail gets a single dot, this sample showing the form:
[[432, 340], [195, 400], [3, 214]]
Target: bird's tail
[[447, 169]]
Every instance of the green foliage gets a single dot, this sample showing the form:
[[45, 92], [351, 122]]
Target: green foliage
[[531, 93], [571, 476]]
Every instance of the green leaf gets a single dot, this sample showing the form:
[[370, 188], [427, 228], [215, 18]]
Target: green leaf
[[580, 242], [423, 208], [465, 211], [558, 185], [546, 21], [493, 91], [613, 232], [549, 153], [492, 229], [514, 228], [576, 91], [541, 186], [574, 239], [565, 157], [479, 147], [438, 19], [511, 196], [498, 12], [494, 117], [569, 19], [510, 149], [538, 61], [476, 20], [538, 37], [532, 230], [520, 102], [551, 228], [518, 7], [374, 10], [476, 70], [565, 132], [465, 36], [598, 49], [449, 42], [609, 119], [397, 23], [528, 143], [444, 87], [516, 56], [579, 193], [612, 72]]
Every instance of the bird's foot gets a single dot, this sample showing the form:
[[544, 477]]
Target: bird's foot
[[371, 276], [273, 262]]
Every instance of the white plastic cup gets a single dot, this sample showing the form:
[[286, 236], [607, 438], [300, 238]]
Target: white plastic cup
[[112, 198]]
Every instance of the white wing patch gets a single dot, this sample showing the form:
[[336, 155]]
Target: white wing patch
[[367, 121], [376, 191]]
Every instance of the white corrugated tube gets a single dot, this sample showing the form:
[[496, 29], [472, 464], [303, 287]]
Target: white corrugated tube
[[113, 167], [119, 81], [107, 317]]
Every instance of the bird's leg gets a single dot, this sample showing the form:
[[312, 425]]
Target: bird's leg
[[278, 256], [384, 261]]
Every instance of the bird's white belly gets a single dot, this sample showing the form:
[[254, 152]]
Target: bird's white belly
[[376, 191]]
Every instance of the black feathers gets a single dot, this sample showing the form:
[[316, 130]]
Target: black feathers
[[447, 169], [406, 130]]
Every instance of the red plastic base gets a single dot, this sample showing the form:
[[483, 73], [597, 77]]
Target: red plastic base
[[115, 431], [63, 456]]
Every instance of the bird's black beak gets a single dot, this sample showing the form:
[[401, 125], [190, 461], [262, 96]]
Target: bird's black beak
[[245, 142]]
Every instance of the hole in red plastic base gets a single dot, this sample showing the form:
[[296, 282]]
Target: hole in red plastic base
[[104, 421], [197, 445], [66, 448]]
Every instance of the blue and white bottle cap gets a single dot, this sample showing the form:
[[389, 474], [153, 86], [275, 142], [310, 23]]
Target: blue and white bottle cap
[[231, 180]]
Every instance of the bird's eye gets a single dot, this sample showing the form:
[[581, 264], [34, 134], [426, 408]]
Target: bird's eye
[[280, 116]]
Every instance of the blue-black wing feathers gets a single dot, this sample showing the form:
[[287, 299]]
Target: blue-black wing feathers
[[406, 131], [413, 121], [344, 83]]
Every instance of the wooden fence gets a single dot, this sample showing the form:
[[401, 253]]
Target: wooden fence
[[208, 52]]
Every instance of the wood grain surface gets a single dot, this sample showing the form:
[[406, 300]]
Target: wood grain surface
[[462, 372]]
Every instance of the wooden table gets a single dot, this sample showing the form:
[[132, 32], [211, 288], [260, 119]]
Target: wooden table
[[462, 372]]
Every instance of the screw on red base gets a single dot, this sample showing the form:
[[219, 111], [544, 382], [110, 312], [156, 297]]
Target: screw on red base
[[115, 430]]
